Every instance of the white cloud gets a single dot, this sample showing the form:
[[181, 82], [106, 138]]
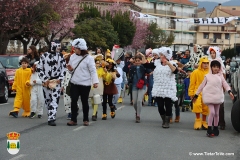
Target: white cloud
[[217, 1]]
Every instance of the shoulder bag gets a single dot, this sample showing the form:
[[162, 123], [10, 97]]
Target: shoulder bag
[[69, 83]]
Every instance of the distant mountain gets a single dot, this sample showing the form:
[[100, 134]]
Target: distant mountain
[[209, 6]]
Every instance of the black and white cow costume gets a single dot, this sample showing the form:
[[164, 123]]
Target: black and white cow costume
[[195, 57], [52, 65]]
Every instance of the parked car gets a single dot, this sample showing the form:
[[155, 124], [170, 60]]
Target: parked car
[[11, 64], [3, 85], [235, 113]]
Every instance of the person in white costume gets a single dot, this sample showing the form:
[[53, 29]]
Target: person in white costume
[[37, 99], [118, 82], [66, 97], [213, 54], [164, 83]]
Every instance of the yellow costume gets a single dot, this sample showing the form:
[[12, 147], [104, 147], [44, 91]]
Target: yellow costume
[[22, 99], [196, 79], [99, 90]]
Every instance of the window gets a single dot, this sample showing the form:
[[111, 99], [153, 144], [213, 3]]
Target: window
[[227, 36], [1, 66], [205, 35]]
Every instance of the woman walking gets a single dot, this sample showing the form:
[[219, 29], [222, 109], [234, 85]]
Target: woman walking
[[137, 80], [82, 67], [32, 55]]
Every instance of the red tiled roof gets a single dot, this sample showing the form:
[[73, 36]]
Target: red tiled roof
[[231, 12]]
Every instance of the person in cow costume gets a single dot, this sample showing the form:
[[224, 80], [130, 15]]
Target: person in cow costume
[[195, 57], [52, 70]]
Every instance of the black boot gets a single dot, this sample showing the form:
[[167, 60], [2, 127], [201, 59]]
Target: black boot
[[167, 120], [163, 119], [14, 114], [210, 132], [215, 131], [51, 123]]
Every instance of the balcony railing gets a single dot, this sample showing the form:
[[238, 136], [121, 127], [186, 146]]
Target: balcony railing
[[215, 41], [238, 28], [184, 41], [193, 28], [182, 14]]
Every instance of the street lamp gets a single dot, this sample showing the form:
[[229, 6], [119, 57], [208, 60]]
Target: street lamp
[[229, 39]]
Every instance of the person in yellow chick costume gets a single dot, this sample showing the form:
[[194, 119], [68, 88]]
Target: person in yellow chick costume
[[22, 87], [199, 107], [99, 90], [110, 88]]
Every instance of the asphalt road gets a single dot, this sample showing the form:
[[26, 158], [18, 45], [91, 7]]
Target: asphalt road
[[116, 139]]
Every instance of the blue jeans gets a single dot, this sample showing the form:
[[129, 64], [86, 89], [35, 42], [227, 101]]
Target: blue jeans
[[177, 109], [116, 96]]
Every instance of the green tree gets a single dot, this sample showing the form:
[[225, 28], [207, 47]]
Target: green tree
[[123, 26], [41, 26], [119, 19], [89, 11], [97, 32], [158, 37], [228, 53]]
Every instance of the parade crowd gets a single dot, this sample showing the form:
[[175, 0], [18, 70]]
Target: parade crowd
[[153, 75]]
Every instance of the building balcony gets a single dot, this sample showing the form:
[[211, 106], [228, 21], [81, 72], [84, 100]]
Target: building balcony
[[166, 12], [184, 41], [238, 28], [215, 41], [159, 11], [216, 29], [183, 14]]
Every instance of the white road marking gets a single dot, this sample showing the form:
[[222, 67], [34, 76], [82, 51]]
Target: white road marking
[[3, 104], [81, 127], [121, 107], [20, 156]]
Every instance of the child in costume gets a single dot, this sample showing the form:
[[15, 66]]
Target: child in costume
[[213, 95], [37, 99], [22, 87], [186, 86], [199, 107], [66, 97], [179, 77], [213, 54], [110, 88], [99, 90], [149, 58]]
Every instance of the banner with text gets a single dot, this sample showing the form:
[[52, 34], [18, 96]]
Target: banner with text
[[208, 21], [136, 14]]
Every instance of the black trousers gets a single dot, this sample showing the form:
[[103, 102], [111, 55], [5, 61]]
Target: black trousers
[[221, 115], [107, 98], [83, 92], [164, 106]]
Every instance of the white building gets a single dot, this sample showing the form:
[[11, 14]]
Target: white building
[[166, 11]]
